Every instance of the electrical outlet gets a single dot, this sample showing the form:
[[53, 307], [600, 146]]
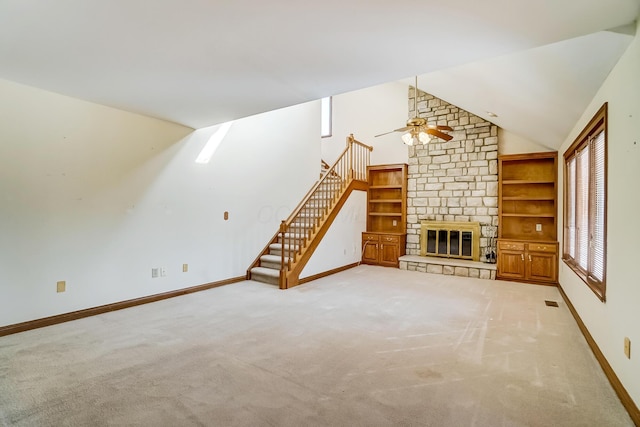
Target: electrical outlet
[[155, 272], [538, 227], [61, 286], [395, 222], [163, 272], [185, 268], [627, 347]]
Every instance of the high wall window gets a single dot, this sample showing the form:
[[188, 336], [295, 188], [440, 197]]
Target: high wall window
[[585, 204], [326, 111]]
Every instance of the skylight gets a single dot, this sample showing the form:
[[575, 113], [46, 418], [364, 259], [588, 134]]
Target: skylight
[[214, 142]]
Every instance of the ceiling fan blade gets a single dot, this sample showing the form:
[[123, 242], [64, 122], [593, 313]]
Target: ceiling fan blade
[[441, 127], [386, 133], [404, 129], [441, 135]]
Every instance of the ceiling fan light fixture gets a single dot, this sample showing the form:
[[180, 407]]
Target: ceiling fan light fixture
[[407, 138], [424, 137]]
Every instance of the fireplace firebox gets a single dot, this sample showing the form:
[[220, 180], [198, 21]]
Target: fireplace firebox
[[450, 239]]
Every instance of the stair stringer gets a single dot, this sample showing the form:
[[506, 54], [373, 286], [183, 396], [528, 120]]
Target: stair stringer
[[293, 276]]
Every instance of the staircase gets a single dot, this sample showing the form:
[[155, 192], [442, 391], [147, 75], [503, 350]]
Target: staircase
[[284, 257]]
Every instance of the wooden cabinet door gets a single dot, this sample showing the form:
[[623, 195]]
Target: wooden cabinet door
[[541, 267], [511, 264], [389, 253], [369, 251]]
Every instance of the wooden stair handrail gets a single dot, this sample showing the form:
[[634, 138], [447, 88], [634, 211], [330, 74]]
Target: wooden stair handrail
[[355, 141], [350, 166], [350, 140], [313, 189]]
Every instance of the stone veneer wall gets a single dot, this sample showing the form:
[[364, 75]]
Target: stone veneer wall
[[455, 180]]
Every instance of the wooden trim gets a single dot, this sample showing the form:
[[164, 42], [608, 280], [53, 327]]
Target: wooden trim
[[598, 123], [601, 115], [313, 189], [327, 273], [622, 393], [362, 144], [296, 269], [80, 314]]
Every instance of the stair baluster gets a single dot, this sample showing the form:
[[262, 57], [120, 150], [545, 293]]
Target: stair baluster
[[299, 235]]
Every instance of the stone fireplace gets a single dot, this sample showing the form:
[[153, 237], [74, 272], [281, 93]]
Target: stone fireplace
[[454, 181]]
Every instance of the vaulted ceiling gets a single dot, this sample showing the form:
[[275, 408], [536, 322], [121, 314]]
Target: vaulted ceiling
[[200, 62]]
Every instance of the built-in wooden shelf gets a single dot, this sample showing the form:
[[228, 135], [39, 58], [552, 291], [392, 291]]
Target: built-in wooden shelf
[[527, 211], [385, 239], [526, 181], [530, 215]]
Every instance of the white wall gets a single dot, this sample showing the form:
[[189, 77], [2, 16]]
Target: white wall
[[610, 322], [366, 113], [511, 143], [97, 197]]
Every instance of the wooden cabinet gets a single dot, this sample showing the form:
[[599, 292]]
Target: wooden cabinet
[[385, 239], [527, 210], [382, 249], [511, 260], [528, 261]]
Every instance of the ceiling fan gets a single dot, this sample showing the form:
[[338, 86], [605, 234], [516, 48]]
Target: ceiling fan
[[417, 130]]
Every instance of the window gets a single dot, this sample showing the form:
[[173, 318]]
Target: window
[[326, 111], [585, 198]]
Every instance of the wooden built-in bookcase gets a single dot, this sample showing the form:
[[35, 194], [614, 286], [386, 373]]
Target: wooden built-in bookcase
[[385, 238], [527, 210]]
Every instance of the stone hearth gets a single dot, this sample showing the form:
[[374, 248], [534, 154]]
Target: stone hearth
[[448, 266]]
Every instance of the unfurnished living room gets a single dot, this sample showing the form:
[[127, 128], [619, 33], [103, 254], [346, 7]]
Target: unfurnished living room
[[339, 213]]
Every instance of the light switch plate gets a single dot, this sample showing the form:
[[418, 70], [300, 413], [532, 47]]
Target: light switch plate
[[627, 347]]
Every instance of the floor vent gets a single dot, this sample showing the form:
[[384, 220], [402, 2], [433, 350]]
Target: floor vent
[[551, 303]]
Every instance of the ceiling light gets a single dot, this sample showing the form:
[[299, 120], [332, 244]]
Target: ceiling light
[[412, 137], [424, 137]]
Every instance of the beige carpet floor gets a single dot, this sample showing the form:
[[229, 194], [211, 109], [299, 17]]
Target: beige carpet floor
[[370, 346]]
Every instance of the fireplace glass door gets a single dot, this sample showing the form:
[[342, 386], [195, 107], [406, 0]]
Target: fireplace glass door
[[450, 243]]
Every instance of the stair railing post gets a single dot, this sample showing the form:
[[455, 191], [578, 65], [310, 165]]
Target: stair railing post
[[350, 140], [283, 229]]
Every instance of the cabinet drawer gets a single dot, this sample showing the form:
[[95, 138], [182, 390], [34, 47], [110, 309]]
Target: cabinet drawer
[[542, 247], [513, 246], [389, 239], [372, 237]]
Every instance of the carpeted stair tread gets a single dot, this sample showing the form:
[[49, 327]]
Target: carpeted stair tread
[[273, 258], [265, 271], [278, 247]]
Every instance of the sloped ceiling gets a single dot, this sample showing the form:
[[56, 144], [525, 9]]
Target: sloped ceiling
[[203, 62], [538, 93]]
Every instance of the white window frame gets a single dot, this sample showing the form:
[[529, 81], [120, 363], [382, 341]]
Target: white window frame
[[326, 117]]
